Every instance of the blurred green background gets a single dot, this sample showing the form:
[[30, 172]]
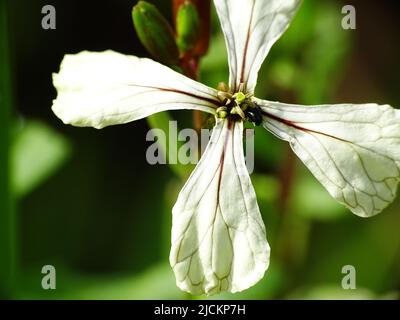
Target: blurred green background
[[87, 202]]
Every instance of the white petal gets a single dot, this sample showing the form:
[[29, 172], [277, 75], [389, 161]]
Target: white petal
[[251, 27], [218, 236], [353, 150], [99, 89]]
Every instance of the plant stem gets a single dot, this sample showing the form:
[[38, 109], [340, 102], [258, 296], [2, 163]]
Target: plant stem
[[7, 218], [190, 60], [286, 176], [190, 67]]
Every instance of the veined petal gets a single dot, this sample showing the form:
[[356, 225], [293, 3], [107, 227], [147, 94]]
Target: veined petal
[[99, 89], [353, 150], [250, 28], [218, 236]]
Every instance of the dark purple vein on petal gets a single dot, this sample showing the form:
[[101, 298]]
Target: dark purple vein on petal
[[355, 189], [248, 216], [261, 44], [219, 170], [222, 160], [306, 130], [296, 126], [208, 153], [246, 46], [232, 41], [217, 205], [215, 102]]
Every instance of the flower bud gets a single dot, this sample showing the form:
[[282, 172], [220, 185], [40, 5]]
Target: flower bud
[[222, 112], [155, 33], [187, 26]]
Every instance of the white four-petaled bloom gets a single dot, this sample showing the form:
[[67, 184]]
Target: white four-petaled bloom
[[218, 236]]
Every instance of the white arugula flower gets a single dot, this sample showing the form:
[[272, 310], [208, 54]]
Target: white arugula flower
[[218, 236]]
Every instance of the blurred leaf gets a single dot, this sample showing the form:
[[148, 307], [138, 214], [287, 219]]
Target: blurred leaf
[[324, 58], [267, 187], [156, 282], [283, 72], [268, 149], [370, 245], [301, 29], [309, 58], [335, 292], [162, 121], [311, 200], [332, 292], [214, 65], [37, 152]]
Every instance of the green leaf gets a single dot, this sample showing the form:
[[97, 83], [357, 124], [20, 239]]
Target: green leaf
[[322, 206], [156, 282], [162, 121], [37, 152], [318, 78], [214, 65], [331, 292]]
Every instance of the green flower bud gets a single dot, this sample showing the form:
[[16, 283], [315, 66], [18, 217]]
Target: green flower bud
[[187, 26], [222, 112], [155, 33]]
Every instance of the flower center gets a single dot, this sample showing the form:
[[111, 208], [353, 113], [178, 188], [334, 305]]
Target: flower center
[[238, 106]]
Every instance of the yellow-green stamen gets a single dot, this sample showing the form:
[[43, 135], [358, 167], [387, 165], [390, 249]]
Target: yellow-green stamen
[[240, 97]]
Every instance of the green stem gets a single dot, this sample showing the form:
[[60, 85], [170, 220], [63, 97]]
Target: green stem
[[7, 218]]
